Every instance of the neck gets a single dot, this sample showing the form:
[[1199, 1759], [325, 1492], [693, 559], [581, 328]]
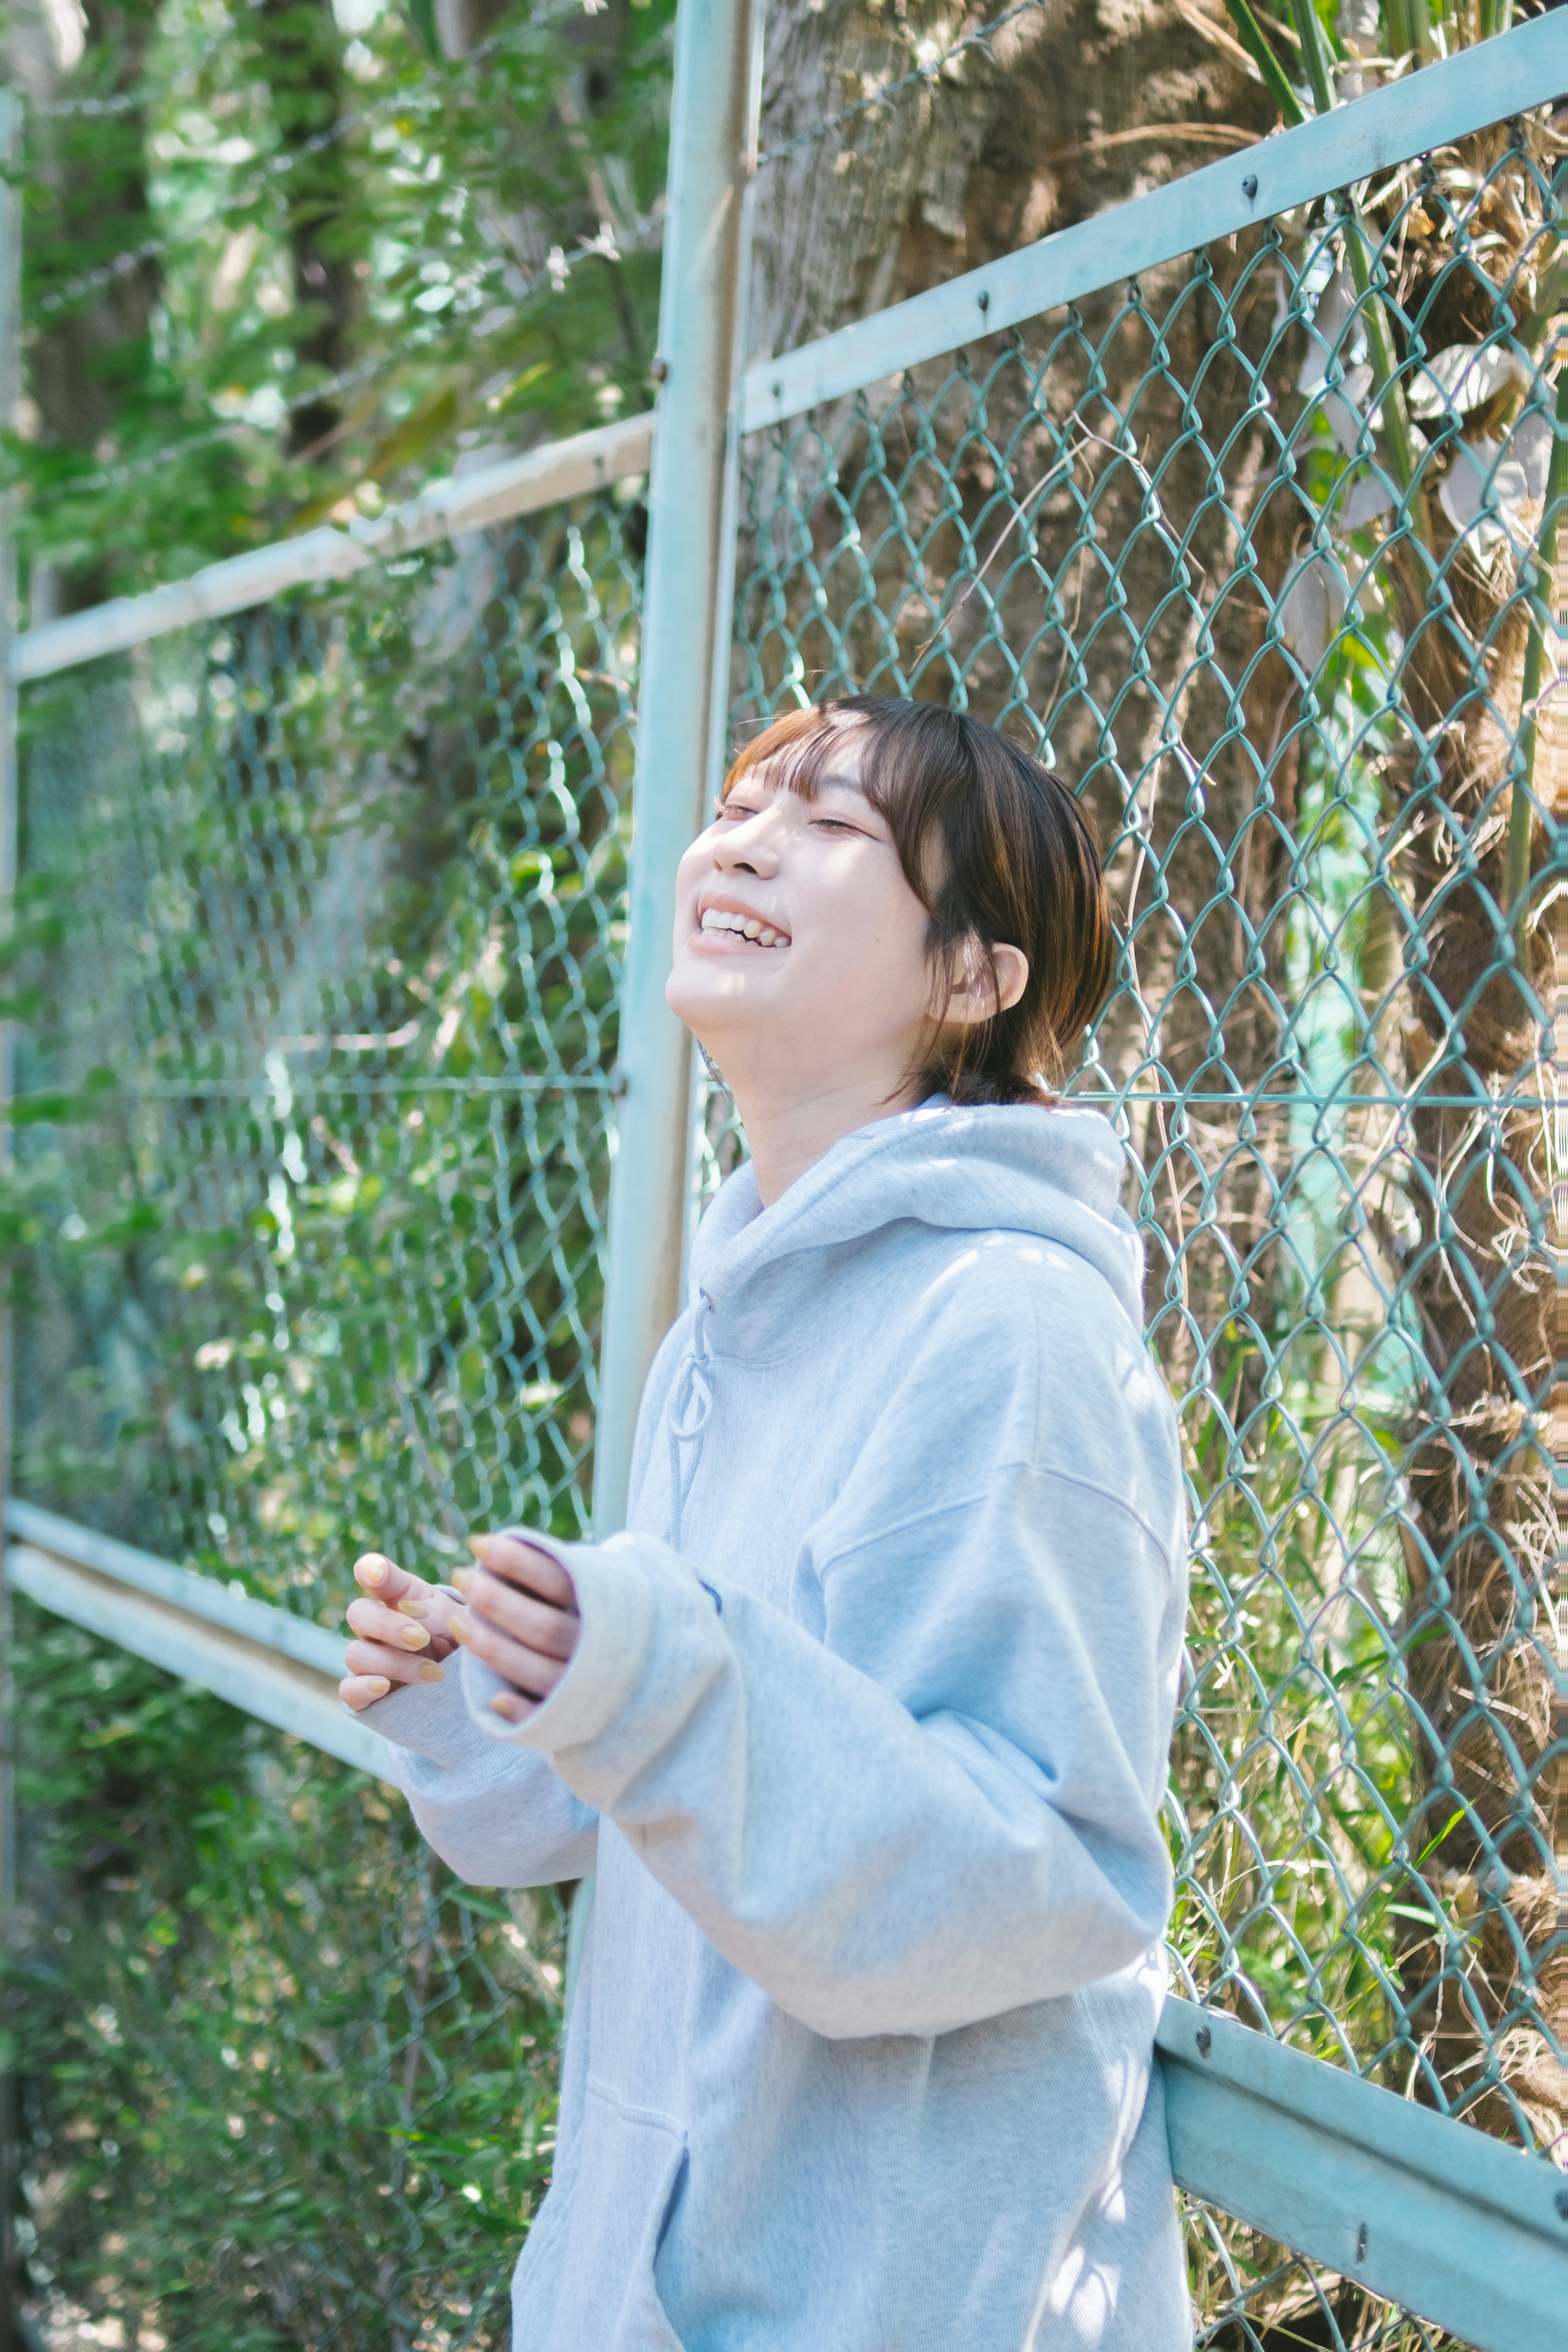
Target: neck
[[789, 1130]]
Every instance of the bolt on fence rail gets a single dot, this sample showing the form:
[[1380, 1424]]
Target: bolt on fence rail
[[315, 1143]]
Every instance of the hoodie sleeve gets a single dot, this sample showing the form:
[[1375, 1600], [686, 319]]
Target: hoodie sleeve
[[498, 1816], [930, 1794]]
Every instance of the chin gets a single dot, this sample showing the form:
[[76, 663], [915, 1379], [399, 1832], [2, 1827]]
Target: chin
[[701, 999], [719, 991]]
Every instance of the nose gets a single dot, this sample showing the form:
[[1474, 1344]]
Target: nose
[[746, 849]]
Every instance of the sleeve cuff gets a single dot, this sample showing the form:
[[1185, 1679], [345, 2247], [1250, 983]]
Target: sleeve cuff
[[615, 1603], [429, 1717]]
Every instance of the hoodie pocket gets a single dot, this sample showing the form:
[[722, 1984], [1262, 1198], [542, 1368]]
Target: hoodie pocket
[[628, 2175]]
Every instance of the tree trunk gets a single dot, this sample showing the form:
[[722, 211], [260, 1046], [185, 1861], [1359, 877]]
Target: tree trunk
[[302, 59], [90, 359], [1086, 640]]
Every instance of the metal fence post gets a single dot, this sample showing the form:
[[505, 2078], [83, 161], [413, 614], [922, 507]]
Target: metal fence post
[[11, 2333], [685, 658]]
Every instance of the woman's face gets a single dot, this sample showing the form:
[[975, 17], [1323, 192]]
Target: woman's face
[[799, 945]]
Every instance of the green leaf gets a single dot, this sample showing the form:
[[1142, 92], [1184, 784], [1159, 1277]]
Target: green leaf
[[422, 17], [123, 1231], [1251, 35], [44, 929], [1452, 1823], [45, 1109], [54, 1107]]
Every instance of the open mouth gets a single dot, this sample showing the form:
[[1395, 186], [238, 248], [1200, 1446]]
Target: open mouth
[[741, 927]]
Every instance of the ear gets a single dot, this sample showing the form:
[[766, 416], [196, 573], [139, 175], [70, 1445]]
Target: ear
[[974, 999]]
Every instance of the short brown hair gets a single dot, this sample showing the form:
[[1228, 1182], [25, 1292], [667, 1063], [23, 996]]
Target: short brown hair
[[1018, 863]]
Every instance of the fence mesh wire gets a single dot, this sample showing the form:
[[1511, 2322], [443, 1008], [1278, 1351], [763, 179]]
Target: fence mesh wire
[[1253, 550], [1258, 550], [346, 887], [326, 905]]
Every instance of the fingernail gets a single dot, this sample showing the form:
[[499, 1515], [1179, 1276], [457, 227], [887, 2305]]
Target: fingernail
[[484, 1549], [510, 1709], [429, 1671], [460, 1578], [412, 1609], [415, 1637], [380, 1684], [371, 1569], [456, 1629]]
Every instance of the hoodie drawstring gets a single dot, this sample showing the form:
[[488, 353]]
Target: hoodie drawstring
[[689, 1409]]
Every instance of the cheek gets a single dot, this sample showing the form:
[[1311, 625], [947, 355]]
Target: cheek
[[868, 952], [696, 861]]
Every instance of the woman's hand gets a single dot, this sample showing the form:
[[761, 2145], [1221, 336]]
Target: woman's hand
[[522, 1619], [402, 1630]]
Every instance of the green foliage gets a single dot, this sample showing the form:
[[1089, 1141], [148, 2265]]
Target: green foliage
[[1297, 61], [1255, 42], [345, 889], [302, 271], [1292, 1775], [337, 902], [287, 2083]]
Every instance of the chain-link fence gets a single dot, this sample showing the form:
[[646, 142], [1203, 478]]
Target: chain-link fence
[[325, 905], [336, 1001], [1253, 549], [324, 902]]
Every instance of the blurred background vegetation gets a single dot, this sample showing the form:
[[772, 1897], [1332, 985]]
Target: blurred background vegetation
[[283, 261], [285, 2085]]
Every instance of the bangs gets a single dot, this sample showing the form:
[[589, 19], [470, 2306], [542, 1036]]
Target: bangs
[[797, 753], [906, 758], [997, 851]]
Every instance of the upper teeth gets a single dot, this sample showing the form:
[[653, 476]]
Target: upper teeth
[[722, 919]]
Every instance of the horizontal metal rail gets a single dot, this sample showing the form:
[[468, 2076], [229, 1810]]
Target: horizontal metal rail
[[1422, 2210], [1521, 68], [1419, 2209], [1478, 87], [542, 478], [260, 1659]]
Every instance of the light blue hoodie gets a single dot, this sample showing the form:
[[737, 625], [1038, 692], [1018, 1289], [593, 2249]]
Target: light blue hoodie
[[864, 1737]]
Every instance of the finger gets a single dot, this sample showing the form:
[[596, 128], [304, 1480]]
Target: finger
[[436, 1614], [379, 1624], [532, 1674], [373, 1572], [374, 1621], [391, 1666], [362, 1690], [384, 1581], [535, 1624], [523, 1563]]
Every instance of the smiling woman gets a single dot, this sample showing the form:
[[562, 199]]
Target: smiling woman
[[940, 895], [862, 1723]]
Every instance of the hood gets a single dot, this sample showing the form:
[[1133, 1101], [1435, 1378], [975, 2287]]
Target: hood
[[1056, 1173]]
